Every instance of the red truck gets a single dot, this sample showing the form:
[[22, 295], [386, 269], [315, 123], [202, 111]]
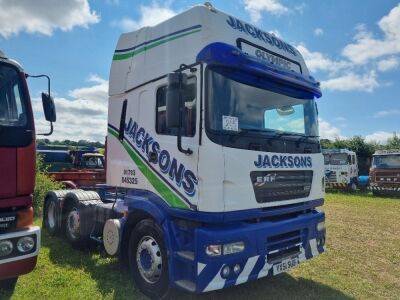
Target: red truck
[[384, 175], [19, 239]]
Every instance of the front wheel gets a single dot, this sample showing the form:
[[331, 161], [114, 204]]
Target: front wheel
[[148, 259], [8, 284], [353, 186]]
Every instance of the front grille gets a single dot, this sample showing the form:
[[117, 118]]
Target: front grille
[[388, 178], [271, 186], [330, 176], [283, 245]]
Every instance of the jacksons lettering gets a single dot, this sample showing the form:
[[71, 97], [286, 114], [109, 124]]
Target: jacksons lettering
[[283, 161], [167, 164], [261, 35]]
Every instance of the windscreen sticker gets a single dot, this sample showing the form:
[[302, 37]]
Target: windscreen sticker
[[230, 123]]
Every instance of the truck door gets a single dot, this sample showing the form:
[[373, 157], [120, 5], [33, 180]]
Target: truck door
[[15, 128], [180, 169]]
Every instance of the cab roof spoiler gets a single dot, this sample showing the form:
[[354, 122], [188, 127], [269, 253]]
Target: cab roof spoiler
[[237, 65]]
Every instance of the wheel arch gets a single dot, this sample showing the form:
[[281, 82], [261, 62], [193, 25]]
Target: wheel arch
[[138, 211]]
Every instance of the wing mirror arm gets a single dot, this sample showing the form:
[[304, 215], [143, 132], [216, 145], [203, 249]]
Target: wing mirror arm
[[48, 104]]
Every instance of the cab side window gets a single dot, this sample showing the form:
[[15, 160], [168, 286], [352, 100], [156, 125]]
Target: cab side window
[[189, 112]]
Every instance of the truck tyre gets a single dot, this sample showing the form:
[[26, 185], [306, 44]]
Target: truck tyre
[[376, 193], [148, 260], [50, 217], [72, 226], [353, 186], [8, 284]]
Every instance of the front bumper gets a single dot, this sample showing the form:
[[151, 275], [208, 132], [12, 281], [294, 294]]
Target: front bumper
[[336, 185], [383, 188], [266, 243], [17, 263]]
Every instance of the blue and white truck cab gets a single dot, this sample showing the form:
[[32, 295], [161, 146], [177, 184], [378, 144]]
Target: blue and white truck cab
[[214, 169], [341, 169]]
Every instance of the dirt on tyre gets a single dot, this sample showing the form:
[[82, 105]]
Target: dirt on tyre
[[148, 260]]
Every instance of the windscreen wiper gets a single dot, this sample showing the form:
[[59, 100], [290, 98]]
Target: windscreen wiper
[[295, 134]]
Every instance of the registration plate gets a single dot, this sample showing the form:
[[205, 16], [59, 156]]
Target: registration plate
[[286, 265]]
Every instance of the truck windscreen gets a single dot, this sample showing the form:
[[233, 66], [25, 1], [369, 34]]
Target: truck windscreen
[[14, 116], [237, 108], [339, 159], [386, 161]]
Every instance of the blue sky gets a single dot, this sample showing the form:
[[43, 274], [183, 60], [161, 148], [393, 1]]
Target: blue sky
[[352, 47]]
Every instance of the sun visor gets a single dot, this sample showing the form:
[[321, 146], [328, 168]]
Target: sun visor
[[233, 63]]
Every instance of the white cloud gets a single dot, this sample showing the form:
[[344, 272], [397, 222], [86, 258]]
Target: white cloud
[[328, 131], [256, 7], [384, 113], [380, 137], [318, 31], [316, 61], [149, 16], [388, 64], [82, 116], [352, 82], [44, 18], [367, 47]]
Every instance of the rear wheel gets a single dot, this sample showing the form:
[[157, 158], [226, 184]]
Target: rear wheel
[[148, 259], [8, 284], [51, 217], [73, 229]]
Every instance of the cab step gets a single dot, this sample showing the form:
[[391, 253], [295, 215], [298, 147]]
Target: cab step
[[186, 285], [188, 255]]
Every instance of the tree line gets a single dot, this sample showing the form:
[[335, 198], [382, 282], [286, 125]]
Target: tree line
[[80, 143]]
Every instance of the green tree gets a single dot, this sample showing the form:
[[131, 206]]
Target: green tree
[[44, 183], [393, 142]]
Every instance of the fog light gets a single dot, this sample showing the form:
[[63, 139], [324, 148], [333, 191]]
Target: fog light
[[214, 250], [321, 242], [233, 248], [225, 271], [236, 269], [25, 244], [6, 247], [321, 226]]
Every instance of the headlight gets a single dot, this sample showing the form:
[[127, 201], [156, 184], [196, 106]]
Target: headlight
[[214, 250], [6, 247], [233, 248], [321, 226], [25, 244], [225, 249]]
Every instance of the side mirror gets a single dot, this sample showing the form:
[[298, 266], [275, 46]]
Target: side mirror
[[49, 107], [174, 97]]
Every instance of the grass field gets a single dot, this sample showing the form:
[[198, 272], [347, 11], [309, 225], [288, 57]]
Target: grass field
[[362, 261]]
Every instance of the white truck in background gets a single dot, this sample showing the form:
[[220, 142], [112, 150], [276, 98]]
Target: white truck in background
[[341, 169], [214, 170]]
